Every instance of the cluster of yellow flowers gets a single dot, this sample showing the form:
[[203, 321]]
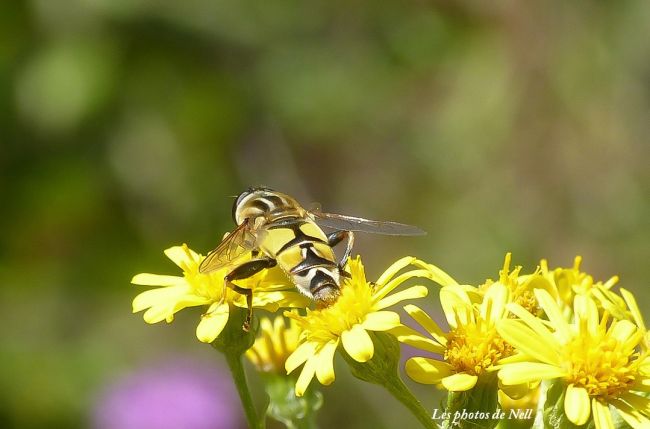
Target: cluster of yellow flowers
[[511, 335], [550, 325]]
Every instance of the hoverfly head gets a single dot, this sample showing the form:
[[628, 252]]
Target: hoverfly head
[[250, 193]]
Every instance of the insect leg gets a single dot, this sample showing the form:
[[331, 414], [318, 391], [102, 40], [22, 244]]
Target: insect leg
[[335, 238], [244, 271]]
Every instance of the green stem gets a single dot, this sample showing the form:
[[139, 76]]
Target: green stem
[[398, 389], [382, 370], [239, 377], [233, 343]]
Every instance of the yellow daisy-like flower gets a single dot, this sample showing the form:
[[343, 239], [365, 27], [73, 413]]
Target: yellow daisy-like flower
[[520, 287], [196, 289], [359, 309], [601, 362], [274, 344], [570, 282], [470, 349]]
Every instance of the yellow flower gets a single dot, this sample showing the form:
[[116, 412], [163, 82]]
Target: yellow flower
[[570, 282], [359, 309], [274, 345], [520, 287], [195, 289], [599, 361], [470, 349]]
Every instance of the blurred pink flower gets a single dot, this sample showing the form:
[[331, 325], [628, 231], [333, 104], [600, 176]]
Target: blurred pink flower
[[175, 395]]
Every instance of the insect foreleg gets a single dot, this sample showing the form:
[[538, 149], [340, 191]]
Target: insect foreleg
[[244, 271], [335, 238]]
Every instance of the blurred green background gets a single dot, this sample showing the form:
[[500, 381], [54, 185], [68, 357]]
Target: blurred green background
[[126, 124]]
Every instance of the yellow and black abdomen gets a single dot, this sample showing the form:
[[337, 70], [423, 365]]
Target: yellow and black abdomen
[[301, 249]]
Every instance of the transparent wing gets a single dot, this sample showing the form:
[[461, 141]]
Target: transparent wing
[[236, 244], [351, 223]]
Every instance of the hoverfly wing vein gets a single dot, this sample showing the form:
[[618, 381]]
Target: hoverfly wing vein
[[234, 245], [351, 223]]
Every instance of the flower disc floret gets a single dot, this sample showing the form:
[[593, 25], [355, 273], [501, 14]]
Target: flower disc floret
[[474, 348]]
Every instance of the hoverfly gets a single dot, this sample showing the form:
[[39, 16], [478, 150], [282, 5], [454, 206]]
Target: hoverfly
[[279, 231]]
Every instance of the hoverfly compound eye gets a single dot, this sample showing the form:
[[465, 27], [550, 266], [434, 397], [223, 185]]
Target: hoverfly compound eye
[[237, 203]]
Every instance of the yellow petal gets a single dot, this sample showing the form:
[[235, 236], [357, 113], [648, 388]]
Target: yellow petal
[[523, 338], [534, 323], [427, 371], [166, 310], [413, 338], [577, 406], [634, 308], [436, 274], [325, 363], [495, 302], [158, 313], [586, 309], [554, 314], [182, 256], [212, 323], [271, 301], [306, 375], [639, 403], [270, 339], [454, 300], [388, 287], [157, 297], [644, 368], [642, 385], [381, 321], [602, 415], [538, 281], [524, 372], [409, 293], [356, 270], [622, 330], [394, 269], [253, 355], [426, 322], [516, 358], [609, 301], [358, 344], [300, 355], [631, 416], [459, 382], [277, 336], [147, 279], [515, 391]]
